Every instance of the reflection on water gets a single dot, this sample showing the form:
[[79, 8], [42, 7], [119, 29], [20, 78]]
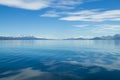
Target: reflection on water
[[60, 60]]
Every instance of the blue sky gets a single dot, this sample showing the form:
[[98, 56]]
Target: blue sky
[[59, 18]]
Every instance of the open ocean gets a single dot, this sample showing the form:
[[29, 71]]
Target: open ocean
[[59, 59]]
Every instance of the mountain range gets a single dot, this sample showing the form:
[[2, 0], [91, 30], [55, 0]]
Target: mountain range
[[114, 37], [22, 38]]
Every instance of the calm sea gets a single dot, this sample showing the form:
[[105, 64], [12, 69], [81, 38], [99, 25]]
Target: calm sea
[[59, 60]]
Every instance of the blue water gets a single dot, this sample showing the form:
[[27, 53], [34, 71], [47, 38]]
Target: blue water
[[60, 60]]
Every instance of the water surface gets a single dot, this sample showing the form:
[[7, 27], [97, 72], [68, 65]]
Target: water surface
[[59, 60]]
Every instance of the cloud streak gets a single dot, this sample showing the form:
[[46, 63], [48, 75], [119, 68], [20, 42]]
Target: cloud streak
[[26, 4], [67, 4], [50, 14], [81, 26], [93, 15], [106, 28], [40, 4]]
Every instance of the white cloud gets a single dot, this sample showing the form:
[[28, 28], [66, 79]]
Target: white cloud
[[93, 15], [110, 27], [106, 28], [81, 26], [69, 4], [63, 5], [40, 4], [54, 13], [50, 14], [26, 4], [66, 4], [100, 28]]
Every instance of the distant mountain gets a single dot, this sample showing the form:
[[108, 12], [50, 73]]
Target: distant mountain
[[22, 38], [115, 37], [75, 39]]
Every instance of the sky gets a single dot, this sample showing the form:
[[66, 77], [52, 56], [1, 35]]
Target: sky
[[59, 18]]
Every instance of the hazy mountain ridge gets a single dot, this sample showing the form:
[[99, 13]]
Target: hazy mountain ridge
[[114, 37], [22, 38]]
